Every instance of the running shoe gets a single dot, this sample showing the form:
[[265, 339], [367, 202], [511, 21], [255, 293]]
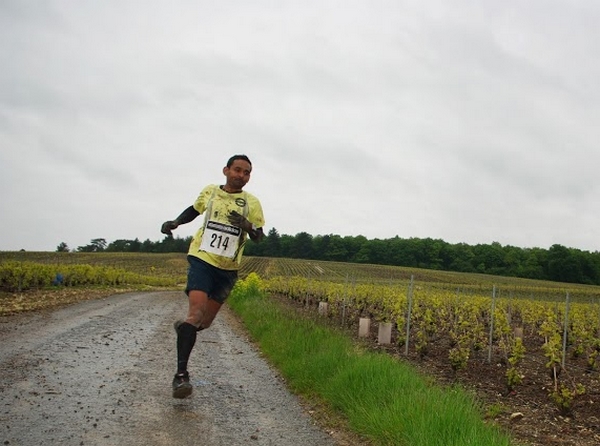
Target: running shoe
[[181, 385]]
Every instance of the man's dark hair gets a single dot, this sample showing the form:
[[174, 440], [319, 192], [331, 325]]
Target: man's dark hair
[[238, 157]]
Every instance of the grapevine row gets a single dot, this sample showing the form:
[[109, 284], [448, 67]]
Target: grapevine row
[[470, 324], [21, 276]]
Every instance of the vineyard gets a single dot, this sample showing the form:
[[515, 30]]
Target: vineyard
[[35, 280], [531, 348]]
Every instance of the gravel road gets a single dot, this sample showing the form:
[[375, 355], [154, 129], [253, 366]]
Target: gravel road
[[99, 373]]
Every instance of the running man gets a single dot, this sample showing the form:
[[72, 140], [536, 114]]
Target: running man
[[214, 255]]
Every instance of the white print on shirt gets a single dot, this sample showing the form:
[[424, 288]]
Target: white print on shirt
[[220, 239]]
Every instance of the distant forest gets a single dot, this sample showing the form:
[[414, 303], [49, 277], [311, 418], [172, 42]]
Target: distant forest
[[558, 263]]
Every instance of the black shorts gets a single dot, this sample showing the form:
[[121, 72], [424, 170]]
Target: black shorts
[[215, 282]]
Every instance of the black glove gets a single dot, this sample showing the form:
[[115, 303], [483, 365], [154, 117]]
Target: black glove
[[239, 220], [168, 226]]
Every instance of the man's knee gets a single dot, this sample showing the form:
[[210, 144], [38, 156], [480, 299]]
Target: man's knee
[[204, 325], [202, 314], [199, 321], [196, 322]]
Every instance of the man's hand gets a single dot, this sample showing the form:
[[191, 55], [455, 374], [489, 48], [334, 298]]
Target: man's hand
[[239, 220], [256, 234], [168, 226]]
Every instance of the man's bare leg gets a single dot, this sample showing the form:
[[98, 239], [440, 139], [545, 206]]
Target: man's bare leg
[[201, 313]]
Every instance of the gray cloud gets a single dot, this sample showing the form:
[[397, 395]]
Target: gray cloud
[[470, 123]]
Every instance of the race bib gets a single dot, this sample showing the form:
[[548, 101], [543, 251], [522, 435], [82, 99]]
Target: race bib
[[220, 239]]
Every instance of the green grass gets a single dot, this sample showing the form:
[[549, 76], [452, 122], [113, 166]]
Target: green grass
[[382, 398]]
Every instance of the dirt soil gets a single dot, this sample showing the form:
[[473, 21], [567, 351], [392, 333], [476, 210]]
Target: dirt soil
[[526, 412], [99, 373], [537, 420]]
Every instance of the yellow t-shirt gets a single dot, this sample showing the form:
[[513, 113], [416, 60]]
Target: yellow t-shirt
[[218, 242]]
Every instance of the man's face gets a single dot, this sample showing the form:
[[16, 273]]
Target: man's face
[[238, 174]]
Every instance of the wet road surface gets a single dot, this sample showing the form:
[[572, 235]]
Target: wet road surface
[[99, 373]]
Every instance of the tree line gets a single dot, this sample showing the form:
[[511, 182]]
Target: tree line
[[558, 263]]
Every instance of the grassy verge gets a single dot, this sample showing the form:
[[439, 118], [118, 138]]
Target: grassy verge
[[383, 399]]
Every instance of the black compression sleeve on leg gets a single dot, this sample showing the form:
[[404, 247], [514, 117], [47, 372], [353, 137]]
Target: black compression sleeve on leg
[[186, 338]]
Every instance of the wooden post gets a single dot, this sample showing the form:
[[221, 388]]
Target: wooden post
[[492, 313], [518, 331], [409, 314], [565, 331], [385, 333], [323, 308], [344, 301], [364, 327]]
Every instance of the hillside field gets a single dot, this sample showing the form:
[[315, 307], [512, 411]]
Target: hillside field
[[529, 349]]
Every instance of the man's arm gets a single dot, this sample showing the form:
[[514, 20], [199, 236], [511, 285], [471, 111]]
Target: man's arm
[[185, 217]]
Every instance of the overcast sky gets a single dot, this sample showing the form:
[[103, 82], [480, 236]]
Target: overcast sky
[[467, 121]]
